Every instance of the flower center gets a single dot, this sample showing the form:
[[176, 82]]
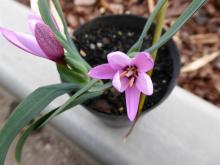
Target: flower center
[[131, 73]]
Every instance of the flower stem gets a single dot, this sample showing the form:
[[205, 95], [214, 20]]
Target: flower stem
[[156, 37]]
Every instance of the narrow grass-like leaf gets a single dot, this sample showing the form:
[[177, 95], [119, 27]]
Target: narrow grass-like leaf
[[26, 133], [137, 46], [46, 16], [72, 99], [26, 111], [69, 39], [38, 123], [185, 16], [60, 12], [101, 87]]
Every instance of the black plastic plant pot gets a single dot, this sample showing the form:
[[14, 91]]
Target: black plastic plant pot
[[117, 33]]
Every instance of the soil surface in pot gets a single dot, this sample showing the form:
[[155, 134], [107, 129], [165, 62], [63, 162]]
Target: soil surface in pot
[[94, 46]]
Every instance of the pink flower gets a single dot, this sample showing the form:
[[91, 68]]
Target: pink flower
[[127, 75], [42, 42]]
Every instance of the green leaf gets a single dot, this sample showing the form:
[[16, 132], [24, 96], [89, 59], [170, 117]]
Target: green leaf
[[60, 12], [72, 76], [137, 46], [72, 99], [69, 39], [26, 133], [42, 119], [27, 110], [101, 87], [185, 16], [46, 16]]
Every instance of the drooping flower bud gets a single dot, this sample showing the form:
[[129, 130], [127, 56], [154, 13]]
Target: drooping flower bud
[[48, 42]]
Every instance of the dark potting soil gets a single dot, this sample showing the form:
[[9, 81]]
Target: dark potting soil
[[94, 46]]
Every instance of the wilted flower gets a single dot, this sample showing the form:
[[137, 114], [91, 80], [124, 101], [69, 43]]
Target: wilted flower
[[127, 75], [42, 42]]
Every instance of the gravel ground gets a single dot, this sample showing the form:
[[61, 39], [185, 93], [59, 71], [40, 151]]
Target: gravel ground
[[44, 147]]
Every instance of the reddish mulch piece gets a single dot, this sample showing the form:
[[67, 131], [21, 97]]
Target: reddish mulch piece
[[199, 37]]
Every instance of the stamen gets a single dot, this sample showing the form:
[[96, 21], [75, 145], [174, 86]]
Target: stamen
[[129, 73], [131, 82], [123, 74]]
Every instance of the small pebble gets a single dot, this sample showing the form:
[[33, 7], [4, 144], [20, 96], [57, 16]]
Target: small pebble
[[121, 109], [130, 34], [82, 53], [120, 33], [99, 44], [86, 35], [92, 46]]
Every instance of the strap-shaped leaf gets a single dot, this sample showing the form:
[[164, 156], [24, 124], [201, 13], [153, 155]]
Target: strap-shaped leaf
[[46, 16], [71, 100], [25, 135], [27, 110], [185, 16], [42, 119], [60, 12], [69, 39], [137, 46]]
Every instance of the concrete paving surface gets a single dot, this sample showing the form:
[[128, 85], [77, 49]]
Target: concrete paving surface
[[44, 147]]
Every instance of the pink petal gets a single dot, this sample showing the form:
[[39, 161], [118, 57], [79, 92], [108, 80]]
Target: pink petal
[[118, 60], [144, 83], [132, 95], [143, 61], [33, 20], [120, 83], [103, 71], [48, 42], [24, 41]]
